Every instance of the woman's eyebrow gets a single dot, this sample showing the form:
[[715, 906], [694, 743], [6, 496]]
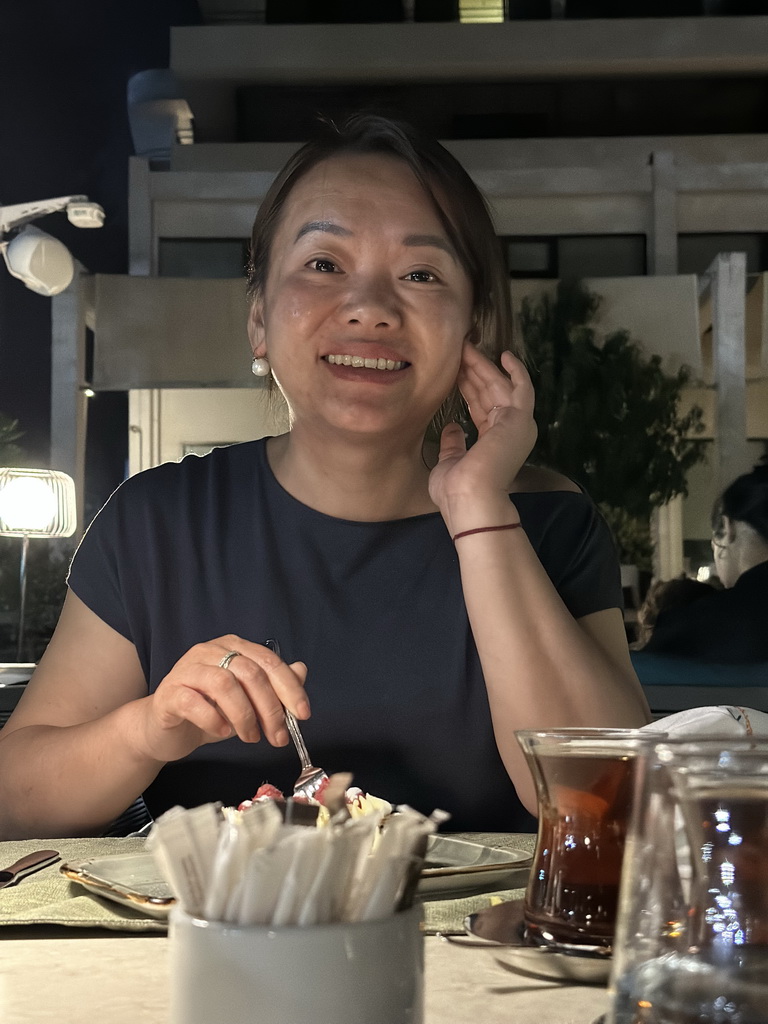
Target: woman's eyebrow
[[418, 241], [327, 226]]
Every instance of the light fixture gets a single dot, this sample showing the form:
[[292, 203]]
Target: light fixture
[[35, 503], [42, 262]]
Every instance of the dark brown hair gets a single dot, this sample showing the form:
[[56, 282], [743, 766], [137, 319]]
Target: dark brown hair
[[745, 500], [459, 204]]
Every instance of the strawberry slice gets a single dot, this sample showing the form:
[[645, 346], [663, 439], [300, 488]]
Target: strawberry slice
[[268, 792]]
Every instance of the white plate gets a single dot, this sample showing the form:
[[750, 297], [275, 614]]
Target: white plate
[[128, 878], [455, 868]]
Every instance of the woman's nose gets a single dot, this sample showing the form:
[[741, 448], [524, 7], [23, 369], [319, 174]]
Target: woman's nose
[[372, 304]]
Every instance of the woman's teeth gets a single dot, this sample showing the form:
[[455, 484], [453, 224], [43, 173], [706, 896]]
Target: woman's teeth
[[367, 364]]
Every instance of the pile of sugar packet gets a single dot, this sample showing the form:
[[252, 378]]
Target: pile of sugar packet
[[249, 867]]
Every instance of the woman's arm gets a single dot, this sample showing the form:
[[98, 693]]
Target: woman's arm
[[542, 667], [86, 739], [565, 672], [68, 765]]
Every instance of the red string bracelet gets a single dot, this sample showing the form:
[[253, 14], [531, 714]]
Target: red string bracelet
[[486, 529]]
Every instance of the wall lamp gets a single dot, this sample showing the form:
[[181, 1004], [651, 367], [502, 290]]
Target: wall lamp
[[42, 262]]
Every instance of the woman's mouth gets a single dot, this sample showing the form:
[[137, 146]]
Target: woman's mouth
[[367, 363]]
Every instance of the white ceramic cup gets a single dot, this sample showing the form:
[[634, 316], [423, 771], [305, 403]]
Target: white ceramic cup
[[365, 973]]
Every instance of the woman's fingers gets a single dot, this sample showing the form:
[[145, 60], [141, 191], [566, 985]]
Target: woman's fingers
[[487, 389], [244, 694], [452, 442]]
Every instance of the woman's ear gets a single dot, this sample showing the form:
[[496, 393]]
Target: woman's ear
[[256, 331]]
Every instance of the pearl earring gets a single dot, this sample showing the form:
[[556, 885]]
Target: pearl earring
[[260, 367]]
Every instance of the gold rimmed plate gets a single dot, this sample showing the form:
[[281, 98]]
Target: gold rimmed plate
[[458, 867], [454, 867], [128, 878]]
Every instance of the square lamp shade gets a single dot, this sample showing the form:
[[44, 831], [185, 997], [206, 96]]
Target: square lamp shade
[[37, 503]]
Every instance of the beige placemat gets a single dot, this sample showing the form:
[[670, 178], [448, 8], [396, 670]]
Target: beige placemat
[[47, 897]]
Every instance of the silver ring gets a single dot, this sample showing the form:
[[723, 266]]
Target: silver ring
[[224, 663]]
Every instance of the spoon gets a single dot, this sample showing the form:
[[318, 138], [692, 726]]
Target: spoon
[[26, 865]]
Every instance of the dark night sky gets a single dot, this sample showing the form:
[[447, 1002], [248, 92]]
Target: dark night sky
[[64, 130]]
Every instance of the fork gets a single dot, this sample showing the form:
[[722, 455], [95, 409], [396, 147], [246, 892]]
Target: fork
[[310, 778]]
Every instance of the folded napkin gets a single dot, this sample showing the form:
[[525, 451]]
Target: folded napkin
[[720, 720]]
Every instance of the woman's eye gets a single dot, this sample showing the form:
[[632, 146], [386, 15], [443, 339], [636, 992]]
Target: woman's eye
[[323, 266], [420, 276]]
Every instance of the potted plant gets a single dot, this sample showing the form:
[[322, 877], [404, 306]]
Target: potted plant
[[608, 415]]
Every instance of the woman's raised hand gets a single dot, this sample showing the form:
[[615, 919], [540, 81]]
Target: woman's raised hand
[[501, 406], [208, 696]]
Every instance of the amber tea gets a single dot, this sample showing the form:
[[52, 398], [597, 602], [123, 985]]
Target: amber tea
[[585, 786]]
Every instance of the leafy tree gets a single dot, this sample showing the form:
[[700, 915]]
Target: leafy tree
[[608, 415]]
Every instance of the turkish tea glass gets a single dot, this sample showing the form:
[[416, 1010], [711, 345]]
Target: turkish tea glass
[[584, 782]]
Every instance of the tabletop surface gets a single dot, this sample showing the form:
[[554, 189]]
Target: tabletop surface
[[90, 976]]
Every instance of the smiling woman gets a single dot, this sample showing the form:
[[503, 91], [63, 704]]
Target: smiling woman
[[432, 602]]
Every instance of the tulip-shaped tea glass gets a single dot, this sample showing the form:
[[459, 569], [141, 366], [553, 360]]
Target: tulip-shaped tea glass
[[584, 781], [692, 938]]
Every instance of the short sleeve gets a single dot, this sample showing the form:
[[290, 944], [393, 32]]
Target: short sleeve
[[98, 574], [576, 548]]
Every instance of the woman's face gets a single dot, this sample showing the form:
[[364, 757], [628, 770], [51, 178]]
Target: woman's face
[[724, 555], [366, 305]]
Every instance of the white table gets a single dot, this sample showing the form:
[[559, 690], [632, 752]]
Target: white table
[[123, 979]]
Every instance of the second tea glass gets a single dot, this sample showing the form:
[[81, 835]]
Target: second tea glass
[[692, 938]]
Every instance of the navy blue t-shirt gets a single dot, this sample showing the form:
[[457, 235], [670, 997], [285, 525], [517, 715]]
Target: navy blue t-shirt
[[189, 551]]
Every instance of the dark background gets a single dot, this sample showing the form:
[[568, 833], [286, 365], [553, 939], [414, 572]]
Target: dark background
[[64, 130]]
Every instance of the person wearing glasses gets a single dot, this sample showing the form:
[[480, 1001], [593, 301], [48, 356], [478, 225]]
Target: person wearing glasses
[[731, 626]]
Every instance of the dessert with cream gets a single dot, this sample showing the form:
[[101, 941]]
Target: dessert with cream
[[357, 803]]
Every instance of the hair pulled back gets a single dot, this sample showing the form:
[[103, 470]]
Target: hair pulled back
[[745, 500], [458, 202]]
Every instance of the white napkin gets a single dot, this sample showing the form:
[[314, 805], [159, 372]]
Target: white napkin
[[720, 720]]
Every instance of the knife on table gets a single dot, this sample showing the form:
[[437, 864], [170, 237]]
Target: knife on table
[[26, 865]]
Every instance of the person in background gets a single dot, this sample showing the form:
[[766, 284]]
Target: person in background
[[433, 599], [731, 626], [663, 595]]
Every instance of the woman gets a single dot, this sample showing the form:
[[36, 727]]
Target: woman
[[730, 626], [431, 606]]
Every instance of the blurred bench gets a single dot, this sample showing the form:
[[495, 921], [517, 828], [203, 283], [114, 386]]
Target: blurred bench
[[676, 684]]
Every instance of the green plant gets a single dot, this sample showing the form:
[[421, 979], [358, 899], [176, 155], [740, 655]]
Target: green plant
[[608, 415]]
